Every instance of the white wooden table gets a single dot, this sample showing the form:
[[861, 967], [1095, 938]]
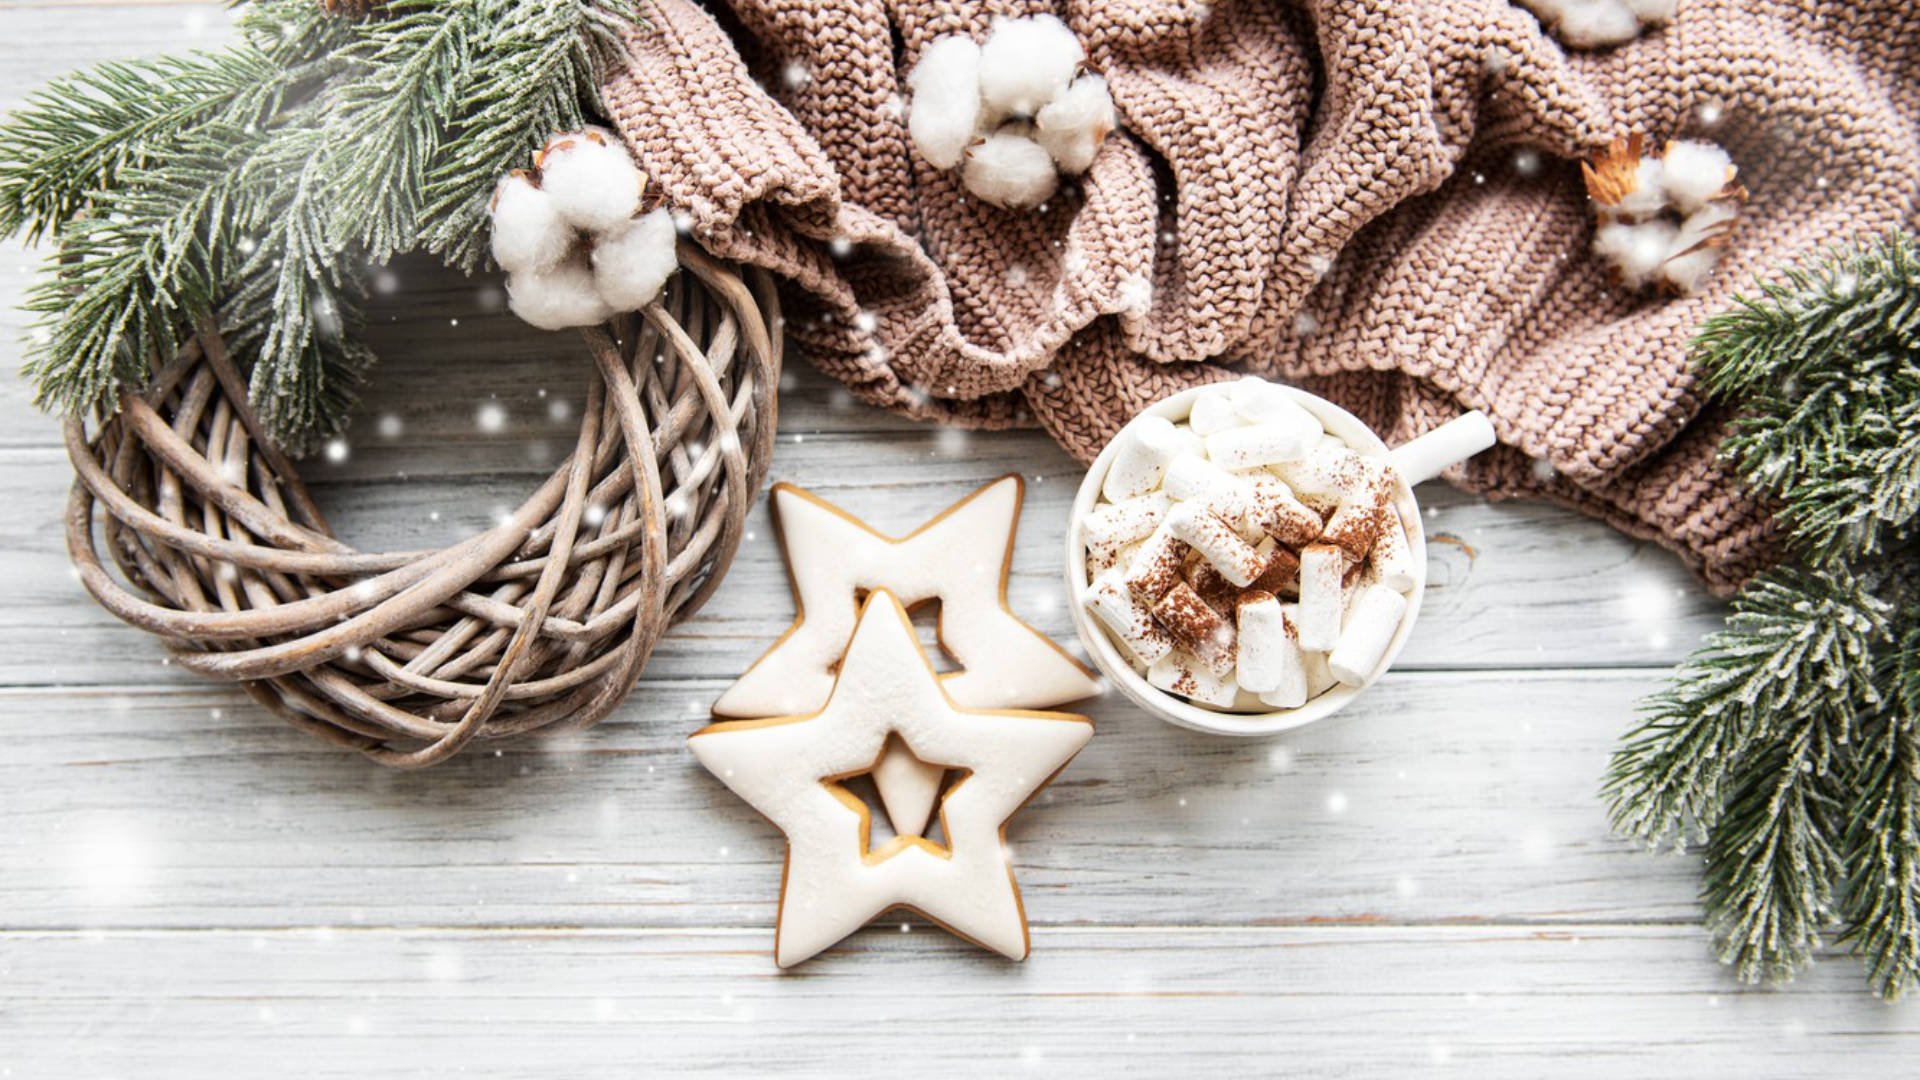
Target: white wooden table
[[1425, 885]]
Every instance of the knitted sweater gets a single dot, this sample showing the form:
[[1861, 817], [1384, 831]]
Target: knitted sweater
[[1376, 201]]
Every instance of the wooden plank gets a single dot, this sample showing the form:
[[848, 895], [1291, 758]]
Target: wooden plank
[[1423, 803], [1486, 1003]]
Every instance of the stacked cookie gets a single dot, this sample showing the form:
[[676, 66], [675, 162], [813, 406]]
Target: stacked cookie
[[1247, 558]]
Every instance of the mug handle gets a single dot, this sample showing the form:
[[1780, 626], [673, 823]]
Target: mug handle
[[1445, 446]]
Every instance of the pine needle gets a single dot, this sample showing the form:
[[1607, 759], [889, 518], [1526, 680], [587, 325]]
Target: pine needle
[[258, 186], [1790, 737]]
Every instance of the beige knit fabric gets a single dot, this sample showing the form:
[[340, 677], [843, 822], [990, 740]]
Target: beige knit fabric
[[1375, 200]]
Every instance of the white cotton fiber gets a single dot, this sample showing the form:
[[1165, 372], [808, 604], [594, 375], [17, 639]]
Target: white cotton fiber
[[1690, 255], [1009, 170], [1695, 173], [592, 180], [528, 232], [557, 297], [945, 114], [1656, 12], [1073, 125], [1636, 251], [1649, 194], [1596, 24], [631, 264], [1027, 63]]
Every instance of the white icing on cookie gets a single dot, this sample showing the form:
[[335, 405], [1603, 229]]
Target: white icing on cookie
[[962, 558], [789, 768]]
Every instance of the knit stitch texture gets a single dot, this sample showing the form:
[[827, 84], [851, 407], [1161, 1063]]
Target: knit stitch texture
[[1376, 201]]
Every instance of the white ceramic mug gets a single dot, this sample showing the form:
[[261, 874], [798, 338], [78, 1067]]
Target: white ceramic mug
[[1419, 460]]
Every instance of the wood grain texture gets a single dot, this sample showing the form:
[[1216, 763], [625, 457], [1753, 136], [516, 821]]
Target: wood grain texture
[[1604, 1002], [1419, 804], [1425, 885]]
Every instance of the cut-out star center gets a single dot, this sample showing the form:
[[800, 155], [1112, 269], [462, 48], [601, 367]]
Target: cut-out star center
[[891, 818]]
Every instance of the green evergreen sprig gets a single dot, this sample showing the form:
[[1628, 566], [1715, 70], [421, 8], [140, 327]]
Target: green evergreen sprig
[[1789, 741], [258, 186]]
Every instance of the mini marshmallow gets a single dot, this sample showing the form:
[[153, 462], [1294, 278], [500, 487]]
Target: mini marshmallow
[[1290, 688], [1322, 569], [945, 115], [1190, 477], [1322, 478], [1261, 643], [1133, 624], [1219, 593], [528, 232], [591, 178], [1155, 568], [1392, 555], [1151, 442], [1104, 557], [1263, 444], [1217, 541], [1180, 672], [1197, 626], [1696, 173], [1026, 63], [1073, 125], [1276, 512], [1357, 525], [1363, 642], [1212, 413], [1635, 252], [633, 263], [1281, 574], [1319, 677], [1009, 170], [1130, 519], [1261, 402], [558, 297]]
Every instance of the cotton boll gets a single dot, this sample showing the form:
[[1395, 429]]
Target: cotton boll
[[1697, 246], [1695, 173], [946, 100], [1009, 170], [1635, 251], [1597, 24], [528, 232], [631, 264], [557, 297], [1073, 125], [1550, 11], [1656, 12], [592, 180], [1027, 63], [1649, 194]]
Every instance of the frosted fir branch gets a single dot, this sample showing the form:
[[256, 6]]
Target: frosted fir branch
[[257, 184], [536, 72], [1825, 367], [1882, 850], [1772, 858], [1796, 642]]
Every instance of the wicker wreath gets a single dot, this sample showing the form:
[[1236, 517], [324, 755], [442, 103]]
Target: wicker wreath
[[542, 623]]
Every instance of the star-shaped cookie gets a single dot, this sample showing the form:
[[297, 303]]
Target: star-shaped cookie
[[962, 558], [791, 769]]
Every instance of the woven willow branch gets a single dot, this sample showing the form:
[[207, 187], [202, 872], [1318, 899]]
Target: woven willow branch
[[542, 623]]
